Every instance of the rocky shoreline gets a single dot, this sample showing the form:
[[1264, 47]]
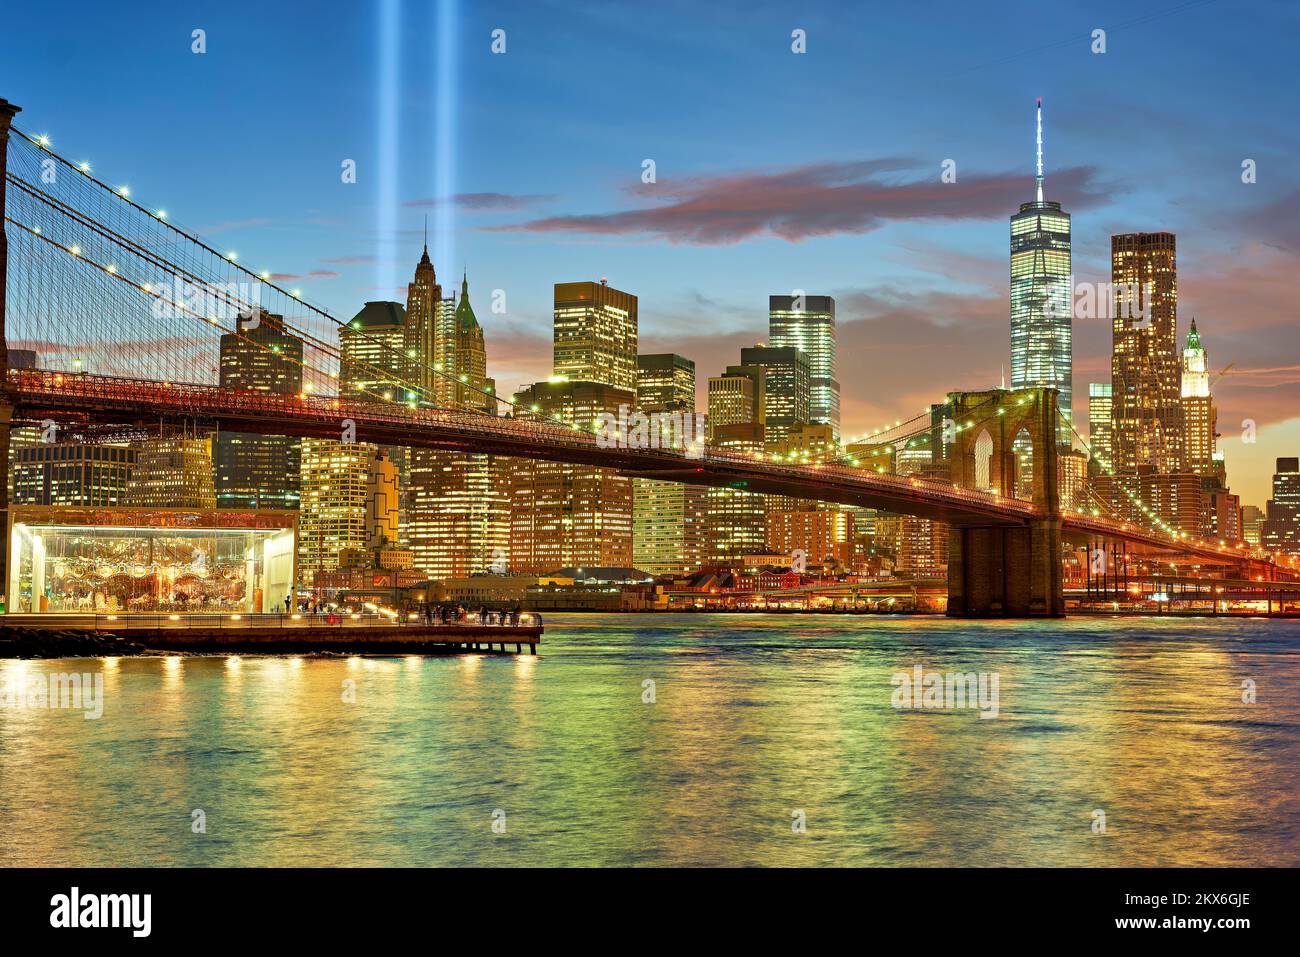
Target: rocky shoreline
[[24, 643]]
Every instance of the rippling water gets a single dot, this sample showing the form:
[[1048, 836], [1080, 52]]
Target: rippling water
[[754, 719]]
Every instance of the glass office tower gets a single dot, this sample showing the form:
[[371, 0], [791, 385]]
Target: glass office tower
[[1041, 304], [807, 323]]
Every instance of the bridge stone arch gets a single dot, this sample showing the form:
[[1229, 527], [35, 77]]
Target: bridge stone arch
[[1001, 570], [1003, 414]]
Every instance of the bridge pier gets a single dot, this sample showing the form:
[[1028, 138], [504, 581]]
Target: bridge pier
[[1006, 572], [1015, 570]]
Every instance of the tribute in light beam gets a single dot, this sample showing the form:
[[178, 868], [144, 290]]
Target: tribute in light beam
[[389, 59], [444, 145]]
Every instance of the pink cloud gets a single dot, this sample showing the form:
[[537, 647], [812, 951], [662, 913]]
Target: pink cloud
[[816, 200]]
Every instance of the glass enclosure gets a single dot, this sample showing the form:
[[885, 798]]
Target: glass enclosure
[[87, 569]]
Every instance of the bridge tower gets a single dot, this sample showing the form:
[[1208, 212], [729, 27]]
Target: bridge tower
[[7, 112], [1011, 571]]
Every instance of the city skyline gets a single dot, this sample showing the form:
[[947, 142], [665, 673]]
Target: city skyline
[[600, 435], [904, 277]]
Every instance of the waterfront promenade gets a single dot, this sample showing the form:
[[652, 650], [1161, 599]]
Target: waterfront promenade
[[359, 633]]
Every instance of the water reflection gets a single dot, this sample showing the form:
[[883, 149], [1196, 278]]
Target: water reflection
[[748, 726]]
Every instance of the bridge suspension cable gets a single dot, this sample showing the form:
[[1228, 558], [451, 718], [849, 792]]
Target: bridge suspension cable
[[72, 219]]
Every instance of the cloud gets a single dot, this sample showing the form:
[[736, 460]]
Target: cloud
[[347, 260], [322, 273], [485, 202], [814, 200]]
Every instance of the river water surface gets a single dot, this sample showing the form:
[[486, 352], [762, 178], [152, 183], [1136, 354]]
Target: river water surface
[[679, 740]]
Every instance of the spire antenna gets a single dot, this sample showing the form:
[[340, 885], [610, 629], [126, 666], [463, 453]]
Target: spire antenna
[[1038, 179], [426, 227]]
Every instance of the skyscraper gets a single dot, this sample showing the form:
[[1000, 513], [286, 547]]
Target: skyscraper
[[71, 474], [376, 365], [423, 312], [807, 323], [373, 363], [665, 382], [1099, 413], [668, 518], [564, 515], [1252, 523], [1146, 409], [595, 334], [458, 503], [259, 471], [172, 472], [1199, 415], [332, 516], [737, 397], [737, 519], [787, 388], [1281, 529], [1042, 284]]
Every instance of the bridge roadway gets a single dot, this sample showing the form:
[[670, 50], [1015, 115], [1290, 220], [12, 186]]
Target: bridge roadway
[[81, 397], [38, 395]]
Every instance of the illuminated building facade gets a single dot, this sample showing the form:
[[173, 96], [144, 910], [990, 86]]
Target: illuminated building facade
[[173, 472], [921, 549], [376, 365], [787, 389], [1174, 500], [333, 510], [1146, 407], [381, 518], [737, 520], [423, 312], [373, 363], [1252, 523], [1199, 416], [826, 537], [668, 518], [72, 474], [595, 334], [803, 442], [562, 514], [1281, 529], [1071, 479], [1222, 518], [459, 503], [259, 471], [1042, 285], [1099, 413], [807, 323], [665, 382], [21, 437], [736, 397]]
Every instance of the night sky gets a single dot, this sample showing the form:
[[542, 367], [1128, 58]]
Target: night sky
[[775, 171]]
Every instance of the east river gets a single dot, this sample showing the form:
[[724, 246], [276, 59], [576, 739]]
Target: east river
[[683, 739]]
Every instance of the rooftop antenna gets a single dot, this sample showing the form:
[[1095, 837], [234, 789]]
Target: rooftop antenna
[[1038, 179], [426, 224]]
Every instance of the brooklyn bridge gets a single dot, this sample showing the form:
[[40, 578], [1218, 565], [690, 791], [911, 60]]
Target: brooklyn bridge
[[96, 286]]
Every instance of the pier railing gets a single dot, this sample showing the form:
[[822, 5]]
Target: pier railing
[[302, 621]]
